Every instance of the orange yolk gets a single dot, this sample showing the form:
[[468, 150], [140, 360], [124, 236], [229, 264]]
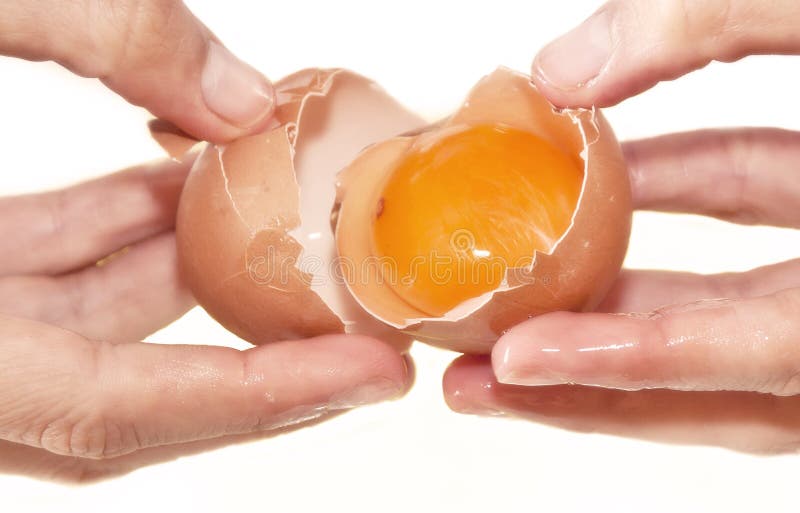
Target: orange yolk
[[455, 215]]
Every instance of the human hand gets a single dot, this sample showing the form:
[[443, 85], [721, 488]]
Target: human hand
[[154, 53], [720, 371], [88, 271]]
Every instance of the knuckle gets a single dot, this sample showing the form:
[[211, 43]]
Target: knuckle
[[75, 309], [680, 23], [738, 156], [700, 19], [727, 285], [82, 438], [713, 26], [91, 427], [91, 436], [788, 303], [658, 329], [132, 33], [741, 154], [637, 366], [786, 378], [57, 208]]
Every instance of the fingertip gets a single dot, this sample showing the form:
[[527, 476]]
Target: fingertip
[[205, 124], [467, 367], [566, 70], [234, 90], [267, 121], [397, 367], [531, 352], [501, 352], [410, 372], [467, 383], [559, 98], [379, 358]]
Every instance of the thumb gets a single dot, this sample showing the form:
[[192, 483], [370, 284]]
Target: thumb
[[154, 53], [628, 46]]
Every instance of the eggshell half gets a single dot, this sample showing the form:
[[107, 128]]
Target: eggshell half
[[254, 235], [574, 275]]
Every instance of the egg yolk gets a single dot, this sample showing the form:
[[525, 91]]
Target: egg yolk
[[456, 214]]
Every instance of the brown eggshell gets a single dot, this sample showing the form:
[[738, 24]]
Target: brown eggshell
[[174, 140], [248, 215], [577, 272]]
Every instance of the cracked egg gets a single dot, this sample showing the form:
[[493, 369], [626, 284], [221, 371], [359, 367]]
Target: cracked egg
[[354, 215]]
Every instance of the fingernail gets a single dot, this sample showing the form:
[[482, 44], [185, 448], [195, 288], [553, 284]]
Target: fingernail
[[511, 377], [519, 361], [469, 389], [371, 392], [482, 411], [410, 371], [294, 416], [462, 402], [233, 90], [576, 58]]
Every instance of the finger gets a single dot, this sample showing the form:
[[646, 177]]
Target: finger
[[59, 231], [748, 345], [80, 398], [154, 53], [125, 299], [628, 46], [21, 459], [742, 421], [644, 290], [744, 175]]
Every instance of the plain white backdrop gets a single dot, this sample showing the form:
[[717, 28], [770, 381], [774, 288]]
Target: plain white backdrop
[[56, 129]]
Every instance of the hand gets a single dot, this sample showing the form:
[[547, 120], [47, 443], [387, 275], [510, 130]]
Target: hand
[[87, 272], [687, 372], [154, 53]]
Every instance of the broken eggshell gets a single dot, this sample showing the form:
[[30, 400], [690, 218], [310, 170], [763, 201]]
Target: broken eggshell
[[254, 236], [574, 275], [258, 255]]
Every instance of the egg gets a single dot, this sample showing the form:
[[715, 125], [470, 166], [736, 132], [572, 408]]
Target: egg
[[353, 215]]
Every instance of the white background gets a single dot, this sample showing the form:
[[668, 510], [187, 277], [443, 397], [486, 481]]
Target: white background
[[56, 129]]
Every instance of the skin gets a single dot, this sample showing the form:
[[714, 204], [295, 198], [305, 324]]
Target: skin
[[89, 271], [669, 356]]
